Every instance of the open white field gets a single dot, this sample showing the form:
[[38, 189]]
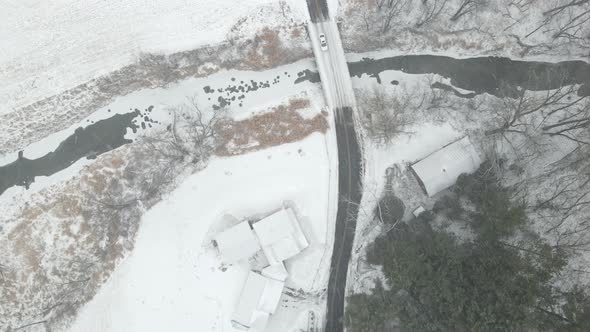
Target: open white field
[[49, 46], [173, 280]]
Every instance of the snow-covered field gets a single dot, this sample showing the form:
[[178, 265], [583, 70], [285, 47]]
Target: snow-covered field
[[191, 290], [47, 47], [173, 279], [68, 42], [300, 174]]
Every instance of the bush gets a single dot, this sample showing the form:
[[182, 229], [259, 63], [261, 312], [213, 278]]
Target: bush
[[390, 209]]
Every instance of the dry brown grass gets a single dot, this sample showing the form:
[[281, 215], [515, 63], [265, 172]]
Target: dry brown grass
[[283, 124], [53, 231], [97, 175], [267, 49], [296, 32]]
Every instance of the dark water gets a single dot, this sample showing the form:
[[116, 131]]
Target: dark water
[[480, 75], [86, 142], [236, 91], [493, 75]]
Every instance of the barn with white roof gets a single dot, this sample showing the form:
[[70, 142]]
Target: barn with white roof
[[259, 299], [440, 170], [280, 236], [237, 243]]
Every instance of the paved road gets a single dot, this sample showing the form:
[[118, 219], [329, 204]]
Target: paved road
[[340, 98], [331, 63]]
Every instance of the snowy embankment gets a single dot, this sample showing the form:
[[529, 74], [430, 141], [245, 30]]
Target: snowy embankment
[[163, 99], [515, 29], [174, 280]]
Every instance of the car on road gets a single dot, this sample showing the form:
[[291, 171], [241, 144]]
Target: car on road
[[323, 42]]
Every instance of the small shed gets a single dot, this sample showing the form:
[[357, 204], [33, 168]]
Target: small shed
[[280, 236], [441, 169], [259, 299], [237, 243]]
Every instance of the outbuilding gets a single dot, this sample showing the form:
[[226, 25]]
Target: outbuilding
[[259, 299], [440, 169], [237, 243], [280, 236]]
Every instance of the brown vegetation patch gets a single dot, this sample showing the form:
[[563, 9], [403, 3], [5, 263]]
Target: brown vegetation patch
[[98, 174], [267, 49], [283, 124], [67, 241]]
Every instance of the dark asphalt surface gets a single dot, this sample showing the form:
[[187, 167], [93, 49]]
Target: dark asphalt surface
[[318, 10], [337, 86], [349, 197]]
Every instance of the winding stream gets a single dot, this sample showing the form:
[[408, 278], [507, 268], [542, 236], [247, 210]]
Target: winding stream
[[501, 77]]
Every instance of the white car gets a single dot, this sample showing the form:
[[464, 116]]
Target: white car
[[323, 42]]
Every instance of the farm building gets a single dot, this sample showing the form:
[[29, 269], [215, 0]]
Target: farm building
[[440, 169], [280, 236], [259, 299], [237, 243]]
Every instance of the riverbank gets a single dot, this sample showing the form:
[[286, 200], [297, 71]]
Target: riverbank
[[519, 30]]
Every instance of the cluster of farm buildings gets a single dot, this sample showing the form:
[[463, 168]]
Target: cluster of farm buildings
[[278, 237]]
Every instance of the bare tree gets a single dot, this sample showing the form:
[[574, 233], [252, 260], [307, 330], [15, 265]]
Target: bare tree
[[466, 7], [558, 121], [567, 21], [556, 112], [438, 95], [390, 9], [431, 9], [193, 133], [385, 115], [382, 15], [571, 122]]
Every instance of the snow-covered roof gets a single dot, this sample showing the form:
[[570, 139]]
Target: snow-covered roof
[[277, 272], [441, 169], [259, 299], [280, 236], [237, 242]]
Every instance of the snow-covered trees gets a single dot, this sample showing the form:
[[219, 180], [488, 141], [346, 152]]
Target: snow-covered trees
[[192, 136], [385, 115], [496, 281]]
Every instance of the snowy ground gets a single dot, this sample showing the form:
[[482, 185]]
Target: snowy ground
[[173, 279], [431, 128], [298, 173], [66, 43], [500, 28], [425, 139]]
